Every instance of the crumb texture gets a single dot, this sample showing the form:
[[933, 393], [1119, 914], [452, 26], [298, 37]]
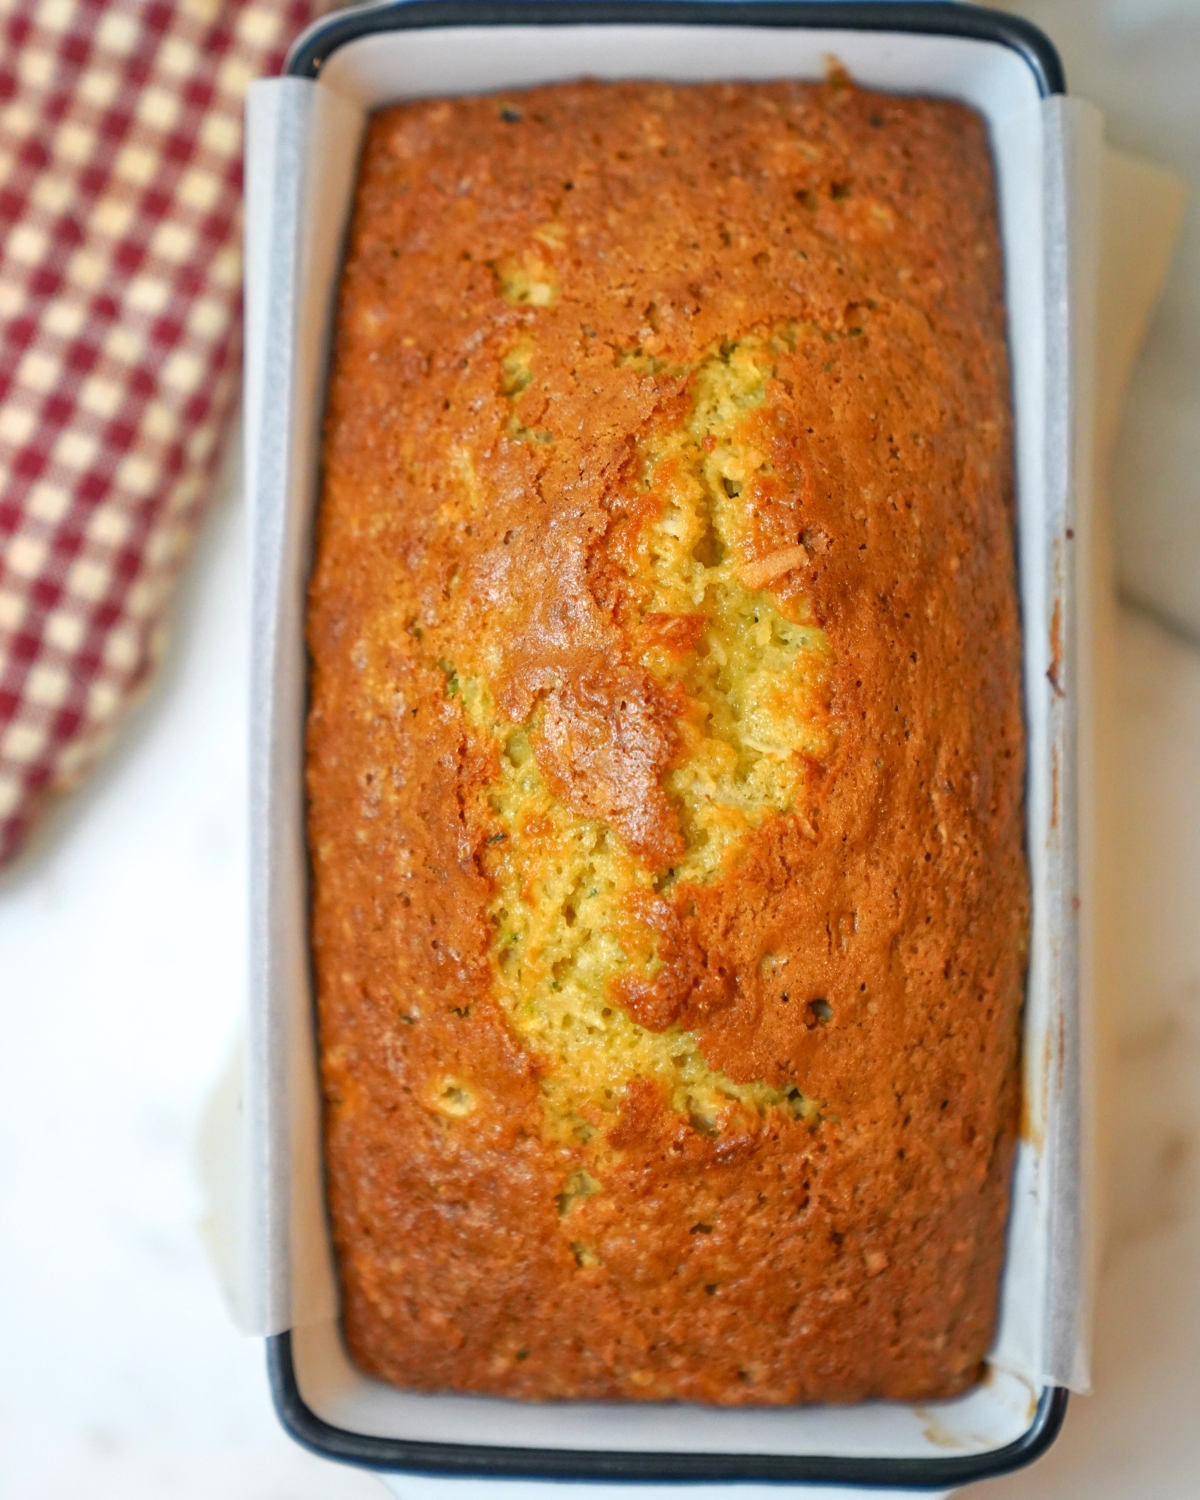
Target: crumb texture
[[665, 755]]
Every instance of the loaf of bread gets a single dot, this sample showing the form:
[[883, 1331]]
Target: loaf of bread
[[665, 756]]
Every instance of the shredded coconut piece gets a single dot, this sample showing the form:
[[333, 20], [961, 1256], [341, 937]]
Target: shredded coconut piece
[[764, 570]]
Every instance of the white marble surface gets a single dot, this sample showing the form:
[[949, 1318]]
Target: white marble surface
[[1139, 61], [121, 977]]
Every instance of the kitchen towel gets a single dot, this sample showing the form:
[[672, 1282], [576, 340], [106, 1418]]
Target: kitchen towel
[[120, 314]]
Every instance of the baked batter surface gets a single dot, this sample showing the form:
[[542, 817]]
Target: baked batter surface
[[665, 750]]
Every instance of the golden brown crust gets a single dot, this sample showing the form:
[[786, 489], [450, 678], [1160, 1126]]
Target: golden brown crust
[[866, 947]]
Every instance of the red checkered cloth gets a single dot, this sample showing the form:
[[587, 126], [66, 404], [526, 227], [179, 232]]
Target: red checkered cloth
[[120, 288]]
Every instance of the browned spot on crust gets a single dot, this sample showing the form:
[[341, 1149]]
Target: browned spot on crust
[[687, 977], [605, 739], [678, 634]]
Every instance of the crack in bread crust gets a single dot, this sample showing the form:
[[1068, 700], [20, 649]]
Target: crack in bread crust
[[593, 961], [575, 915]]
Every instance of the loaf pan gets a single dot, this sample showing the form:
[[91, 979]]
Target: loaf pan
[[304, 135]]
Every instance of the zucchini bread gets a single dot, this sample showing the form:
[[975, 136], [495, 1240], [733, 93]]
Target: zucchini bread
[[665, 753]]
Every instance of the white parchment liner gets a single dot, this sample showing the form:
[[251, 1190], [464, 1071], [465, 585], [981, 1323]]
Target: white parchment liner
[[302, 146]]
